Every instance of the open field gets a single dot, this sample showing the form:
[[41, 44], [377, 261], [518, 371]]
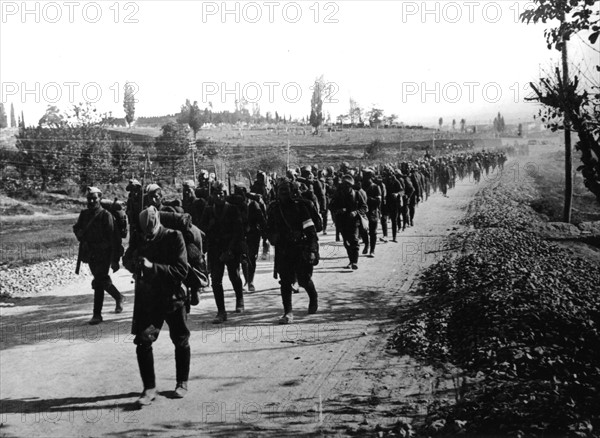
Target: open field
[[550, 181], [299, 136], [31, 240]]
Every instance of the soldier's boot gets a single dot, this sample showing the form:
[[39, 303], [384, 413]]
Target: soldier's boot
[[118, 296], [236, 281], [288, 318], [147, 397], [286, 298], [181, 389], [384, 227], [251, 287], [98, 303], [245, 271], [313, 297], [220, 301], [95, 319], [239, 302], [145, 360]]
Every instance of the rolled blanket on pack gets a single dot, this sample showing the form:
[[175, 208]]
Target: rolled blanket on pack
[[183, 222], [193, 241], [172, 205], [176, 221]]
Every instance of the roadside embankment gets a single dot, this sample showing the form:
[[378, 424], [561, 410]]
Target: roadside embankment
[[517, 311]]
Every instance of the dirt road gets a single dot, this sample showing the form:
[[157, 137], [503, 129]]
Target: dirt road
[[326, 374]]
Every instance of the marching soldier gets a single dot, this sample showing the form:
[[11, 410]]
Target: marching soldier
[[260, 187], [100, 247], [254, 222], [373, 193], [223, 224], [394, 190], [291, 231], [348, 206], [417, 194], [160, 265]]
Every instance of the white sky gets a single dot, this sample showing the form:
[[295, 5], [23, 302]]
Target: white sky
[[378, 52]]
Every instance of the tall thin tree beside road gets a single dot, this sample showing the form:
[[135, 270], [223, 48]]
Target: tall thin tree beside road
[[13, 121], [316, 104], [129, 102]]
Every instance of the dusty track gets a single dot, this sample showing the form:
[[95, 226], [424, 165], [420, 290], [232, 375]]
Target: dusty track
[[326, 374]]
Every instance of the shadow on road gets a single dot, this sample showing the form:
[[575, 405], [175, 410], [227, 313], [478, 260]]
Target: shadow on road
[[67, 404]]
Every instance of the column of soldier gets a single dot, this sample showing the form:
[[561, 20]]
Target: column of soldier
[[175, 247]]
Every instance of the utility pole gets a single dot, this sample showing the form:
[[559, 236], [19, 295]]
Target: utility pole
[[192, 149], [288, 156], [144, 179]]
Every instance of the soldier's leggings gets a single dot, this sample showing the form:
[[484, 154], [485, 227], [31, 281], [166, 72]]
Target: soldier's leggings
[[351, 235], [101, 283], [370, 236], [394, 213], [217, 270], [411, 213], [253, 241], [384, 225], [324, 216], [179, 334], [405, 216], [290, 268]]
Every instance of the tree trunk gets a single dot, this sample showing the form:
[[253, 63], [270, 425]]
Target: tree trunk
[[568, 152]]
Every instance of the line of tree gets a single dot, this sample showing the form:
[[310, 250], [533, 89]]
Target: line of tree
[[359, 117], [74, 147]]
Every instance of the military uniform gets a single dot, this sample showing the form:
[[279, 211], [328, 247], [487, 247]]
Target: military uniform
[[348, 204], [259, 187], [160, 267], [100, 247], [395, 191], [291, 231], [416, 196], [373, 211], [223, 224], [408, 199], [254, 222]]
